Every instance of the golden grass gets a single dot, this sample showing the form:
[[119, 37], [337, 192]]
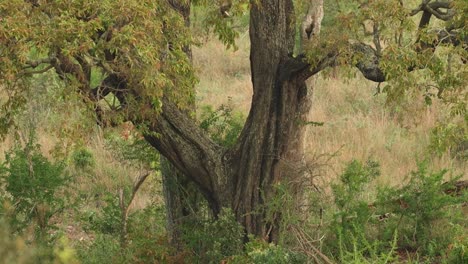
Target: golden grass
[[224, 74], [358, 125], [109, 175]]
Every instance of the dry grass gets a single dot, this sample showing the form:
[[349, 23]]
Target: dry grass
[[110, 174], [224, 74], [358, 125]]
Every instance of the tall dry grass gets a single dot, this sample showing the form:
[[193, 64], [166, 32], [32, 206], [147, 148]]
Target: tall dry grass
[[224, 74], [357, 123]]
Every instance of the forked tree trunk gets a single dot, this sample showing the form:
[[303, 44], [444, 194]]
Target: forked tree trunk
[[274, 133], [243, 178]]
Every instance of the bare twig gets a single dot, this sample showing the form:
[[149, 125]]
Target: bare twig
[[306, 244], [35, 63], [38, 71], [124, 207]]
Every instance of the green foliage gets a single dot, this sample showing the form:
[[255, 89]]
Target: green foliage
[[458, 250], [223, 125], [33, 184], [261, 252], [352, 223], [104, 249], [15, 249], [146, 237], [88, 33], [451, 136], [107, 221], [130, 148], [83, 159], [214, 241], [420, 206], [411, 65], [418, 216], [225, 24], [354, 183]]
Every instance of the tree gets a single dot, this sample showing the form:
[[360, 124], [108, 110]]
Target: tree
[[137, 51]]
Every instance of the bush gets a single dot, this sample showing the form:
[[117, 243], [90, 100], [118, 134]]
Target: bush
[[15, 249], [427, 218], [452, 137], [108, 221], [351, 226], [214, 241], [260, 252], [32, 184], [83, 159], [104, 249], [146, 242], [418, 217]]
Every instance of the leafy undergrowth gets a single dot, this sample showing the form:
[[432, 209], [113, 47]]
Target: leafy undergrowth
[[418, 221]]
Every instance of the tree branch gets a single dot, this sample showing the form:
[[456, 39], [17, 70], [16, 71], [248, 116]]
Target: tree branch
[[35, 63], [301, 70], [187, 147], [433, 7], [369, 62], [47, 68]]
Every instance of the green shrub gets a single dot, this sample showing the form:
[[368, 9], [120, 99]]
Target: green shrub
[[33, 184], [427, 218], [147, 240], [15, 249], [214, 241], [260, 252], [419, 217], [107, 221], [83, 159], [458, 250], [104, 249], [351, 226], [451, 137]]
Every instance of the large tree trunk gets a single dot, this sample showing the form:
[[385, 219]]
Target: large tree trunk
[[243, 178], [272, 141]]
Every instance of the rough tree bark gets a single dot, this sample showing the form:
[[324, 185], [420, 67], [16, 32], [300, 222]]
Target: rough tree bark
[[242, 178], [180, 195]]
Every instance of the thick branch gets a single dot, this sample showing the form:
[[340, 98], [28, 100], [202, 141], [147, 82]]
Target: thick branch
[[187, 147], [65, 65], [301, 70], [433, 8], [369, 62], [47, 68]]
